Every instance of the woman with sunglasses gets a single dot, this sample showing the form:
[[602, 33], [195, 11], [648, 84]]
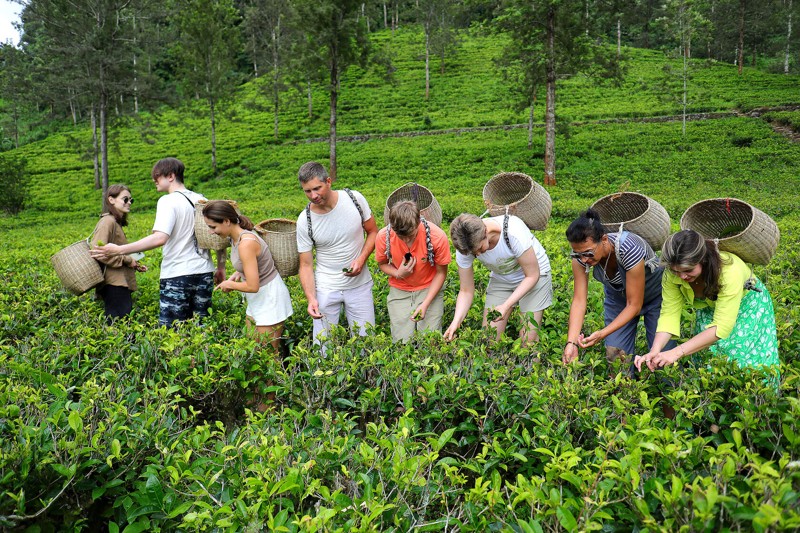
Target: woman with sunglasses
[[631, 276], [119, 278], [734, 315]]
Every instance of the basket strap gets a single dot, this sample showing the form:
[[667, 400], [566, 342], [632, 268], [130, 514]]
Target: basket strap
[[358, 206], [428, 242], [194, 235], [308, 224], [505, 229], [388, 246]]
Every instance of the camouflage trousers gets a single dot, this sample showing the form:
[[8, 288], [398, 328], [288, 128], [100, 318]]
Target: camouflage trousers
[[184, 296]]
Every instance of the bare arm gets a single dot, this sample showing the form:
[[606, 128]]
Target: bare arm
[[248, 254], [634, 299], [371, 230], [433, 291], [577, 311], [466, 293], [306, 275], [530, 267]]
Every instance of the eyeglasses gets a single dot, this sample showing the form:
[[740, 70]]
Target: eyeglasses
[[127, 200], [588, 254]]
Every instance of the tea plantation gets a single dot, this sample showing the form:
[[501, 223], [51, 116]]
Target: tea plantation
[[134, 428]]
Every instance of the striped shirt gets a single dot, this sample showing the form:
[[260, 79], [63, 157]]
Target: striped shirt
[[632, 250]]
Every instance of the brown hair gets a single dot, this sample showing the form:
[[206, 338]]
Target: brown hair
[[167, 166], [113, 192], [467, 231], [222, 210], [686, 249], [404, 218]]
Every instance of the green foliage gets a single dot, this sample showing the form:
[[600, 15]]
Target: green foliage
[[131, 427], [14, 185]]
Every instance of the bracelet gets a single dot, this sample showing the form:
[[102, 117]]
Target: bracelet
[[683, 354], [574, 344]]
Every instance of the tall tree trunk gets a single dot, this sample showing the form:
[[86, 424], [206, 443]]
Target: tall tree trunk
[[310, 100], [72, 109], [255, 60], [334, 103], [550, 104], [212, 106], [788, 39], [135, 75], [619, 38], [276, 78], [427, 61], [104, 141], [530, 121], [385, 16], [740, 48], [95, 152]]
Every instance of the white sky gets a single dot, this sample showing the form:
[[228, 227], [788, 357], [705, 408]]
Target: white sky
[[9, 12]]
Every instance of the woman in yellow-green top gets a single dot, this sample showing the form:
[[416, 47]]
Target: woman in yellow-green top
[[734, 313]]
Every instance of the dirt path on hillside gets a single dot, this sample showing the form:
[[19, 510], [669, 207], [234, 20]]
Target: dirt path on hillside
[[755, 113]]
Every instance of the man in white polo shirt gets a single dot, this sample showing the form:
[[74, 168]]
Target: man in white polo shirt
[[187, 273], [340, 227]]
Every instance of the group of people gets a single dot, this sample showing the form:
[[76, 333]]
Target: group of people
[[337, 233]]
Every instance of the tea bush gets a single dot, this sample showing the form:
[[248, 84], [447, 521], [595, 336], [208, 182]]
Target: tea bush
[[130, 427]]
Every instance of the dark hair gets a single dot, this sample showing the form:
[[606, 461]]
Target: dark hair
[[586, 226], [312, 170], [167, 166], [686, 249], [119, 216], [222, 210]]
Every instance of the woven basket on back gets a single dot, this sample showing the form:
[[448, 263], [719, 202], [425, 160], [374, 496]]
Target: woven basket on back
[[635, 213], [741, 228], [207, 240], [76, 269], [522, 196], [428, 206], [280, 235]]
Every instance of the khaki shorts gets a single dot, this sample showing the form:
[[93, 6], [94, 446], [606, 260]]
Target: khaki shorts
[[538, 298], [402, 303]]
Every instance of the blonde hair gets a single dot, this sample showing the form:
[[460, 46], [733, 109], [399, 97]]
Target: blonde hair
[[467, 231]]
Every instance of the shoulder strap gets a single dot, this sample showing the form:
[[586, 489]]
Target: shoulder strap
[[388, 246], [194, 236], [358, 206], [308, 224], [428, 241], [505, 230]]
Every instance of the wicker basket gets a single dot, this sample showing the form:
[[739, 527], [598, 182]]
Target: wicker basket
[[428, 206], [280, 235], [521, 195], [741, 228], [636, 213], [206, 240], [76, 269]]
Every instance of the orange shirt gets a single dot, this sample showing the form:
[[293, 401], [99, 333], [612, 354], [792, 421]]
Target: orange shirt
[[423, 272]]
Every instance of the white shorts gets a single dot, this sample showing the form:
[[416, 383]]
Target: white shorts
[[359, 308], [270, 305]]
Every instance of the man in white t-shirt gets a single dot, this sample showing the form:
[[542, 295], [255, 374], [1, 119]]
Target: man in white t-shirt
[[187, 273], [334, 224]]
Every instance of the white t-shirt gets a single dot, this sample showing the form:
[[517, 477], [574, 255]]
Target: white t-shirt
[[502, 260], [339, 238], [175, 217]]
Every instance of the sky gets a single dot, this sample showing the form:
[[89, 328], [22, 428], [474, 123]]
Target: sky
[[9, 12]]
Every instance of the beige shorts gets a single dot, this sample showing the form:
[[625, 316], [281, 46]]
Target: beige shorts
[[402, 303], [538, 298]]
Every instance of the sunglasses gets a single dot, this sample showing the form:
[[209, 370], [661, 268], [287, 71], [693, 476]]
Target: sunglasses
[[127, 200], [588, 254]]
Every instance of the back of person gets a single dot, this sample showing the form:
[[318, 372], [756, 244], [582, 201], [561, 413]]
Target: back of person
[[175, 217]]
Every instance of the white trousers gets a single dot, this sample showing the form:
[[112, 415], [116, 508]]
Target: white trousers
[[358, 308]]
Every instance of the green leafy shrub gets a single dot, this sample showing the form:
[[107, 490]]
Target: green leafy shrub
[[14, 189]]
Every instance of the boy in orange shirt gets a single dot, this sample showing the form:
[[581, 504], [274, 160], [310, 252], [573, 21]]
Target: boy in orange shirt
[[416, 263]]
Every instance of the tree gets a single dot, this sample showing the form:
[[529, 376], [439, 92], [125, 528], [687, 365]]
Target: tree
[[15, 86], [437, 18], [83, 49], [207, 49], [14, 186], [336, 38], [269, 27], [552, 30]]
